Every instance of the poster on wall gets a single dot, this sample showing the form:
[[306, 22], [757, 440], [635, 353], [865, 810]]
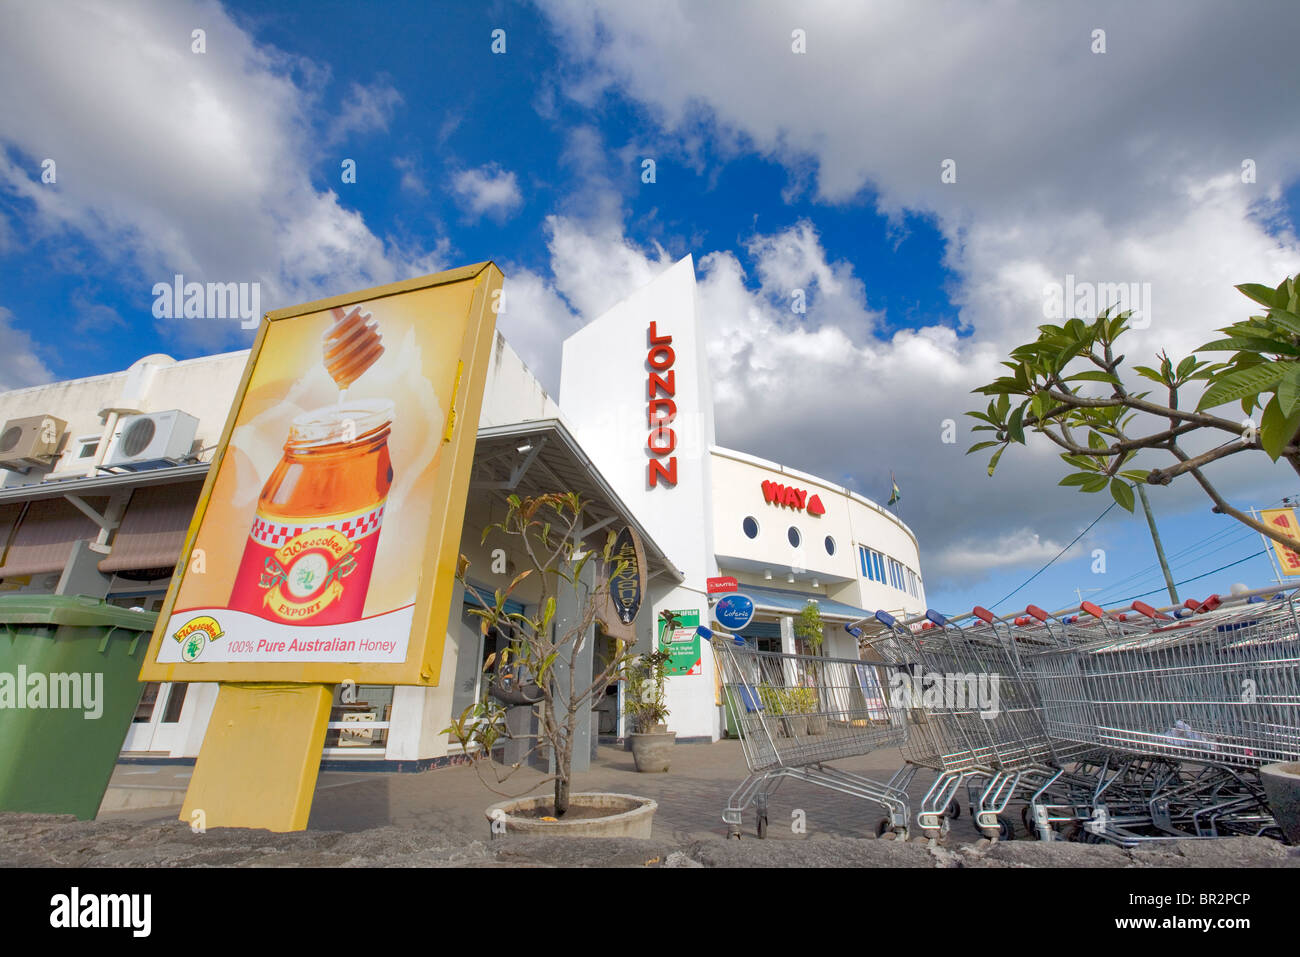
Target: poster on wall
[[681, 639], [325, 542]]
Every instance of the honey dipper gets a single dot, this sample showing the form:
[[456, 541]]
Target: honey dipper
[[351, 345]]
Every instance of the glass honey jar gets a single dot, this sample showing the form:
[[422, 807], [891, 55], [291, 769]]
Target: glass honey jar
[[311, 549]]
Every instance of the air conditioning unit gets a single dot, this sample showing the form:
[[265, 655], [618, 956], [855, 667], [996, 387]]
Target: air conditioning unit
[[31, 442], [151, 441]]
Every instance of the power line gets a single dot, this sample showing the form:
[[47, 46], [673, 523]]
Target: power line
[[1183, 557], [1185, 581], [1055, 557]]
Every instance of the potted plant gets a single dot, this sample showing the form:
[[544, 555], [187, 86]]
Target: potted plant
[[546, 530], [805, 702], [809, 628], [645, 705]]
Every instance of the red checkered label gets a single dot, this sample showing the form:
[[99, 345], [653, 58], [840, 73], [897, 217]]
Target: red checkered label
[[272, 534]]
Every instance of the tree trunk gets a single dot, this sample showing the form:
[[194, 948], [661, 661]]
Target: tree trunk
[[561, 795]]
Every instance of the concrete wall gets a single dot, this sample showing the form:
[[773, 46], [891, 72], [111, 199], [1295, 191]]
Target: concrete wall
[[203, 387]]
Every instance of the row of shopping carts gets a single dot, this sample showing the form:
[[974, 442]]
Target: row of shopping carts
[[1124, 727]]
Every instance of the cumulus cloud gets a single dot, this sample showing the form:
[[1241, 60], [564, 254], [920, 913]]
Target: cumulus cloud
[[488, 190], [175, 162], [20, 366]]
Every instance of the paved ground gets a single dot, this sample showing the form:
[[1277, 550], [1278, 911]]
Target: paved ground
[[436, 819]]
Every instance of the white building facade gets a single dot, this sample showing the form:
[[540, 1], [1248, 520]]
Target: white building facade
[[633, 431]]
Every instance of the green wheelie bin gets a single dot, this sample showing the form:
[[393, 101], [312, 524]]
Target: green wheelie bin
[[69, 687]]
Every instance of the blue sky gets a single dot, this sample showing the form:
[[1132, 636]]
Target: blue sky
[[776, 170]]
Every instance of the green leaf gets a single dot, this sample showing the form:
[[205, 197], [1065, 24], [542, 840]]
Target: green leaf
[[1287, 320], [1148, 373], [993, 462], [1241, 383], [1095, 441], [1077, 478], [1095, 483], [1251, 344], [1135, 475], [1122, 493], [981, 445], [1264, 295], [1092, 375], [1186, 367], [1276, 429], [1015, 426], [1288, 391]]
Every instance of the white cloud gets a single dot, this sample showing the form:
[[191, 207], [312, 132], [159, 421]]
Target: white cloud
[[488, 190], [175, 162], [20, 366], [366, 109], [1118, 167]]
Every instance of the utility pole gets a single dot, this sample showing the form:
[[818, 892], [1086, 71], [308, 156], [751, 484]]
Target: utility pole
[[1155, 537]]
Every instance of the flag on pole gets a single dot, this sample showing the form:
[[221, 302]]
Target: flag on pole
[[894, 495]]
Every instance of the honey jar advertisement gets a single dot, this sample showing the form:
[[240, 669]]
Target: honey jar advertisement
[[340, 491]]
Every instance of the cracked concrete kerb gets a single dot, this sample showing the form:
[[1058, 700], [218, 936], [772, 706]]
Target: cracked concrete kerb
[[34, 840]]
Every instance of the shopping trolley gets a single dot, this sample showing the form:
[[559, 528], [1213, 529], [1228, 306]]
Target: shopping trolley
[[1182, 711], [797, 713]]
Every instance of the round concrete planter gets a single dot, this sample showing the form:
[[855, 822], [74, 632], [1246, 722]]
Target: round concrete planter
[[1282, 786], [794, 725], [652, 751], [628, 816]]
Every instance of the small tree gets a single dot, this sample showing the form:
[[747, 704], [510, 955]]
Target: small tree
[[1100, 432], [808, 626], [545, 528], [646, 700]]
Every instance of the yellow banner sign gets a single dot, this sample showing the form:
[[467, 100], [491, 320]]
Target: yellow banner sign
[[1288, 559]]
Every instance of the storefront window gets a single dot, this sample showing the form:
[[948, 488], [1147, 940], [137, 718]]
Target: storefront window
[[356, 708]]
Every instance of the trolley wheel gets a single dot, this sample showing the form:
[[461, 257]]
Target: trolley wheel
[[762, 825], [883, 827], [953, 810], [1027, 818], [1006, 830]]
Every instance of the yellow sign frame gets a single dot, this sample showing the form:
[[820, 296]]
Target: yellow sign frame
[[423, 664]]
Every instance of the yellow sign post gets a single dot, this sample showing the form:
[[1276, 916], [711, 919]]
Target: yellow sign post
[[324, 546], [1288, 560]]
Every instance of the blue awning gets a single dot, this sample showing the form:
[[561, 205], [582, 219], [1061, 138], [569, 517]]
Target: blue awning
[[792, 602]]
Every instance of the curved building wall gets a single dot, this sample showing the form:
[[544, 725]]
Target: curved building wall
[[761, 508]]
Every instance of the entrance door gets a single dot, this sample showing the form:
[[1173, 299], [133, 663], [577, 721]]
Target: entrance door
[[157, 722]]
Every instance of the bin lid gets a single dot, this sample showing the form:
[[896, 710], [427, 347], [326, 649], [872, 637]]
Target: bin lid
[[76, 610]]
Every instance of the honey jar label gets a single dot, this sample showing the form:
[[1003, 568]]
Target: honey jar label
[[315, 572]]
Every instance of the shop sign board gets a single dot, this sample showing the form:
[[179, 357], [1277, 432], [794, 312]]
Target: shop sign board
[[1284, 518], [681, 639], [324, 546], [734, 611], [717, 586], [791, 497]]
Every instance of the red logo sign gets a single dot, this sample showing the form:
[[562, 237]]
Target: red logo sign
[[661, 410], [718, 585], [791, 497]]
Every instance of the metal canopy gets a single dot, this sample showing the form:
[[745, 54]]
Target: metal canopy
[[552, 461]]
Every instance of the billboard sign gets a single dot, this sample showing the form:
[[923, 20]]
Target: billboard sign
[[325, 541]]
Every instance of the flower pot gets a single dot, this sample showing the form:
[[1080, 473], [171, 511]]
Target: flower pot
[[816, 724], [794, 725], [652, 751], [1282, 787], [626, 816]]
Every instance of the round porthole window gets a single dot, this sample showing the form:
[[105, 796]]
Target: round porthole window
[[751, 527], [794, 536], [830, 545]]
